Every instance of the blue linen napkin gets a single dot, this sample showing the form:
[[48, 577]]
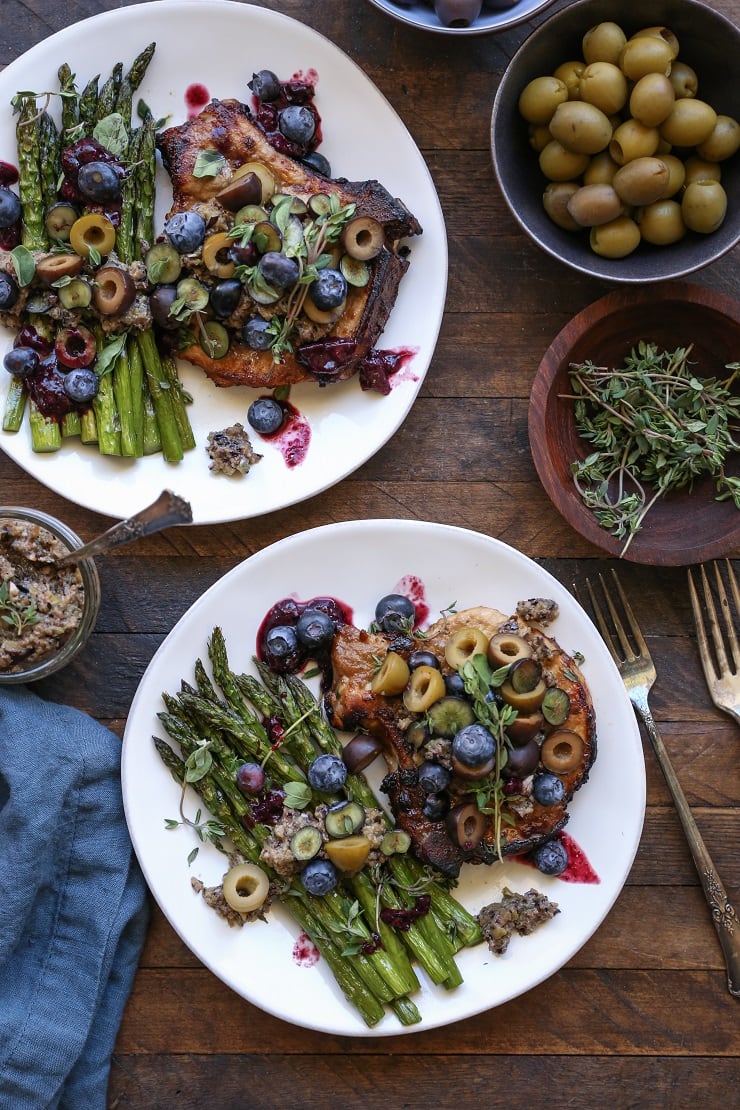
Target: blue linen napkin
[[73, 907]]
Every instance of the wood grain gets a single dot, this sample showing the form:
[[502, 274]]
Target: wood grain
[[640, 1017]]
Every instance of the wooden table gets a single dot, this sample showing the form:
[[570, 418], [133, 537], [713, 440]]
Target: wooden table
[[641, 1015]]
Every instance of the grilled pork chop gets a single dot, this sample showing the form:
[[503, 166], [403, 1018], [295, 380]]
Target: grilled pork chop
[[228, 128], [523, 822]]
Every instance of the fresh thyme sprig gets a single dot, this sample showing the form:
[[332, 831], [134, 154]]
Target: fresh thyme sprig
[[655, 427], [17, 611]]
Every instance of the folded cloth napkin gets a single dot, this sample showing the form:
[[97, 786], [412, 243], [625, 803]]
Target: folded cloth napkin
[[73, 908]]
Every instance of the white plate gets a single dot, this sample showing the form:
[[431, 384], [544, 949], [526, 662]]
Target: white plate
[[359, 562], [422, 15], [220, 44]]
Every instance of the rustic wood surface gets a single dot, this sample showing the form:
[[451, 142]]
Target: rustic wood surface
[[641, 1015]]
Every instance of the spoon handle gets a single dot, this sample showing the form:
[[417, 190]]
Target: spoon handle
[[167, 510]]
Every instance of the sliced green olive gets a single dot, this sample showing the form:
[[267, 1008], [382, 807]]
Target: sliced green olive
[[464, 644], [93, 232], [245, 887], [425, 686], [392, 676], [466, 825], [59, 220], [526, 702], [163, 265], [562, 751], [555, 706], [214, 255], [306, 843], [344, 819], [507, 647], [215, 342], [349, 855], [363, 238], [524, 675], [114, 290]]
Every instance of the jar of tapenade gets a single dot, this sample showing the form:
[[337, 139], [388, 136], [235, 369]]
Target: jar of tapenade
[[47, 612]]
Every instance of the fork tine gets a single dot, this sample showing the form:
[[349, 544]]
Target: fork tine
[[629, 653], [714, 627], [605, 633], [701, 634], [634, 626], [727, 612]]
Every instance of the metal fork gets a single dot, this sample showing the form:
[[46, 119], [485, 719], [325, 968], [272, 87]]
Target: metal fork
[[637, 670], [723, 676]]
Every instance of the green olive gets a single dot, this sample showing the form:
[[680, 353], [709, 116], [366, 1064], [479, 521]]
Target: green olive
[[633, 139], [526, 701], [540, 97], [704, 206], [245, 887], [616, 239], [350, 854], [562, 751], [600, 170], [659, 32], [92, 232], [214, 255], [592, 205], [392, 675], [646, 54], [661, 223], [689, 123], [652, 99], [539, 136], [555, 201], [604, 85], [559, 164], [603, 43], [676, 174], [641, 181], [425, 686], [723, 141], [698, 169], [507, 647], [581, 128], [464, 644], [570, 74], [684, 81]]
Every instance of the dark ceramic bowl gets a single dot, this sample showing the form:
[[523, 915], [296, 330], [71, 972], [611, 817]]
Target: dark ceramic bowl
[[683, 527], [709, 43], [493, 17]]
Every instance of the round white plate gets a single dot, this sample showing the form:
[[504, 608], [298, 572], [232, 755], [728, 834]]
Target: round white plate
[[359, 562], [220, 44], [489, 20]]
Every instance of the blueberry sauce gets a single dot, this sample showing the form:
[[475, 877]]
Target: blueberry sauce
[[266, 811], [196, 98], [299, 90], [287, 612], [73, 158], [46, 384], [329, 360], [8, 173], [412, 587], [293, 437], [404, 918], [305, 952], [578, 868]]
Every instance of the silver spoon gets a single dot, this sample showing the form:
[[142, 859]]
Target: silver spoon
[[167, 510]]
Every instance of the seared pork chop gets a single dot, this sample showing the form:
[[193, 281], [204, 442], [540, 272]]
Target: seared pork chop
[[514, 821]]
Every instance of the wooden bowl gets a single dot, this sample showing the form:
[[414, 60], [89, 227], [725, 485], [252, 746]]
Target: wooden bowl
[[683, 527], [708, 40]]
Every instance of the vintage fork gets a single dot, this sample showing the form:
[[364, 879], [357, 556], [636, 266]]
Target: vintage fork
[[722, 675], [638, 674]]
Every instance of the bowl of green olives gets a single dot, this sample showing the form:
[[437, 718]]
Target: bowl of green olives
[[615, 138], [461, 17]]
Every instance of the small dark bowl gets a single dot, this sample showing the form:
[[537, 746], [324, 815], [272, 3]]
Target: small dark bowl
[[709, 43], [683, 527]]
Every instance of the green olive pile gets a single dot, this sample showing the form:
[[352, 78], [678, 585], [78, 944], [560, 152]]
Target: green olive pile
[[630, 151]]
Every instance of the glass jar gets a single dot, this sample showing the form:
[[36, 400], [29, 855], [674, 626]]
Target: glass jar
[[64, 644]]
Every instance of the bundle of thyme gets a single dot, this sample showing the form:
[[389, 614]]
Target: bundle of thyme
[[655, 427]]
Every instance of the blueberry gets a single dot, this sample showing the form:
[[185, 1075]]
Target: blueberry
[[8, 290], [280, 647], [318, 163], [265, 85], [315, 631], [436, 806], [160, 303], [21, 361], [395, 613], [473, 745], [257, 334], [225, 296], [422, 659], [297, 123], [548, 789], [455, 685], [81, 385], [319, 876], [98, 182], [328, 290], [186, 231], [550, 858], [433, 777], [10, 207], [278, 270], [265, 415], [327, 773], [250, 778]]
